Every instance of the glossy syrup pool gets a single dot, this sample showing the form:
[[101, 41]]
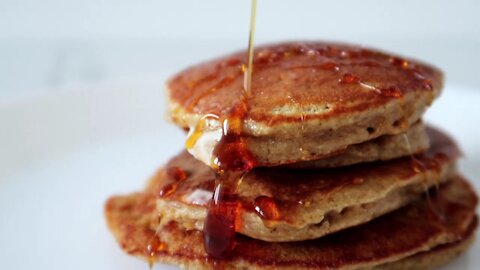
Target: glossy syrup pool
[[222, 218]]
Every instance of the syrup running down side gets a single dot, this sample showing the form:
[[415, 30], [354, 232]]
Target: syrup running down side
[[232, 160]]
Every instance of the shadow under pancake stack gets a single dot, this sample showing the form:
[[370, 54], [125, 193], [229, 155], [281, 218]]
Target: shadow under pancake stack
[[324, 163]]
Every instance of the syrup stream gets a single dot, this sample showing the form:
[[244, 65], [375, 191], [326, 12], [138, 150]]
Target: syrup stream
[[232, 160], [249, 71], [420, 167]]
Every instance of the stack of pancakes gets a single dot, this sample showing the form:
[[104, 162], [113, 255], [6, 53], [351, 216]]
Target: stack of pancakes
[[345, 175]]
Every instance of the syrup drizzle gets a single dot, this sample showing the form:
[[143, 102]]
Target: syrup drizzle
[[266, 208], [154, 247], [196, 132], [232, 160], [420, 167], [251, 35], [175, 175], [222, 222]]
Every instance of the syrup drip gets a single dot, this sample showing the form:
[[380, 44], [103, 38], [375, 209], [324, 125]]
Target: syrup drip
[[232, 160], [396, 61], [266, 208], [330, 66], [391, 91], [176, 173], [197, 131], [221, 222], [231, 151], [349, 79], [154, 247], [174, 176], [420, 167], [417, 166], [248, 74], [167, 190], [194, 135]]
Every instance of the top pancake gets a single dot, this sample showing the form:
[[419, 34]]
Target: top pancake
[[305, 92]]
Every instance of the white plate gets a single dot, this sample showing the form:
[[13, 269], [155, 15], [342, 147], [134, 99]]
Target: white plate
[[63, 155]]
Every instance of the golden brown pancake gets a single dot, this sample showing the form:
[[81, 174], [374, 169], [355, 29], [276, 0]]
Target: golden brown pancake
[[431, 259], [308, 99], [435, 227], [279, 204]]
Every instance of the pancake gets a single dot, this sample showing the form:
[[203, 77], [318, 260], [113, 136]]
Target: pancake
[[413, 141], [431, 259], [429, 232], [308, 99], [280, 205]]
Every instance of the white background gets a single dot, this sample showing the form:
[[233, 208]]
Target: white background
[[52, 43], [82, 105]]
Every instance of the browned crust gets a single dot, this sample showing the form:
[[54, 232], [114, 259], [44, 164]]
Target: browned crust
[[304, 74], [447, 217], [431, 259]]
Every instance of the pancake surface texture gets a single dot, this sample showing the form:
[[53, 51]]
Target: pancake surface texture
[[442, 224], [413, 141], [303, 93], [291, 205]]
